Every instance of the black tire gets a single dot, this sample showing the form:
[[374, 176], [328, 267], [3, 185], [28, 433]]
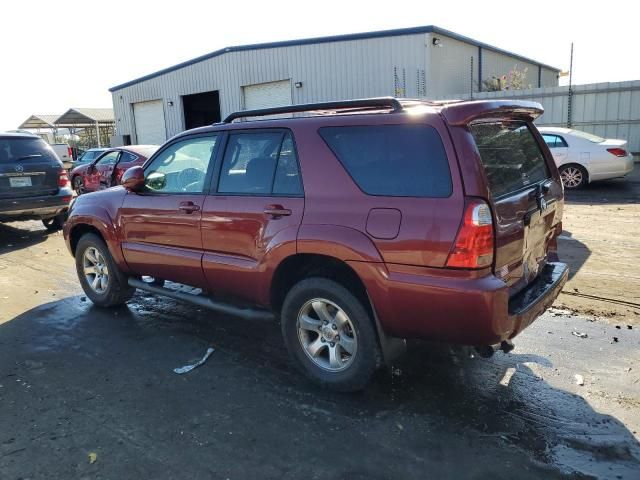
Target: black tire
[[573, 176], [117, 290], [366, 359], [55, 223], [77, 184]]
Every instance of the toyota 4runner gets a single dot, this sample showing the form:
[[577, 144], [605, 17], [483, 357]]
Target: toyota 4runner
[[356, 223]]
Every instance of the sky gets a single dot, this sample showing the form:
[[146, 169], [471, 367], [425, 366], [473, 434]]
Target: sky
[[58, 55]]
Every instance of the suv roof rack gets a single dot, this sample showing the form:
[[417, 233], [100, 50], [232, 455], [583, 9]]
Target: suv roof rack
[[347, 105]]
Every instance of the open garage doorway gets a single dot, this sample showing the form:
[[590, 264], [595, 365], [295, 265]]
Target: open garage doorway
[[201, 109]]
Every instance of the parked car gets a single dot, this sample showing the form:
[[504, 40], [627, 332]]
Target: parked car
[[64, 153], [583, 158], [88, 156], [107, 168], [370, 222], [33, 182]]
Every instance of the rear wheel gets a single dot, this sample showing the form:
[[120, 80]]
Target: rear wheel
[[100, 277], [78, 184], [55, 223], [330, 334], [573, 176]]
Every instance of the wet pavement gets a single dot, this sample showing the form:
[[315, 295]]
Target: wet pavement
[[78, 381]]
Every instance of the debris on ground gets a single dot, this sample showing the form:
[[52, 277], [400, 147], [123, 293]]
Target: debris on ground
[[188, 368], [579, 379], [559, 311], [615, 339], [579, 334], [93, 457]]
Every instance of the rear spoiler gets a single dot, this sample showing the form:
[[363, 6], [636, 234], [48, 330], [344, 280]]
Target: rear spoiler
[[464, 113]]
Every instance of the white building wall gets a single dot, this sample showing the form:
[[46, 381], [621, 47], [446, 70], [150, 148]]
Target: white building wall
[[451, 66], [498, 64], [328, 71]]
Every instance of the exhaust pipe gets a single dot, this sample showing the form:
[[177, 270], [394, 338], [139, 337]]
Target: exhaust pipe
[[487, 351]]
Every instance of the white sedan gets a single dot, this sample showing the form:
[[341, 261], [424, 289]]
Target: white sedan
[[583, 158]]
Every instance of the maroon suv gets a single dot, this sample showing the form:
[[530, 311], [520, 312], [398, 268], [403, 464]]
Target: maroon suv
[[358, 224]]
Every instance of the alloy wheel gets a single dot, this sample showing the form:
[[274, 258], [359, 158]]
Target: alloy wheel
[[571, 177], [96, 271], [327, 335]]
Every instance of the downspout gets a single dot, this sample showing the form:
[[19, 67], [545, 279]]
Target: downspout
[[479, 69]]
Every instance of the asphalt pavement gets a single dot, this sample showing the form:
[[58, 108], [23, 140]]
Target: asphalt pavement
[[91, 393]]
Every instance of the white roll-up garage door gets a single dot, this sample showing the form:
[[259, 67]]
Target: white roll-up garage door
[[267, 95], [149, 119]]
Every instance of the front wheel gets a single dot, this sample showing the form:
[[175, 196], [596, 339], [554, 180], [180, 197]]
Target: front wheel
[[330, 335], [100, 277], [573, 176]]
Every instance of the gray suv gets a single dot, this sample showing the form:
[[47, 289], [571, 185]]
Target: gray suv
[[33, 182]]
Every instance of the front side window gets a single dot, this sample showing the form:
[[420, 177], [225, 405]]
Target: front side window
[[392, 160], [511, 157], [260, 163], [108, 158], [181, 167]]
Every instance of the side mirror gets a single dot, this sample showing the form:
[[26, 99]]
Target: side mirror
[[133, 179], [91, 168]]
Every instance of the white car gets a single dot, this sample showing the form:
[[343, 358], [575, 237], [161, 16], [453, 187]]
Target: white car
[[583, 158]]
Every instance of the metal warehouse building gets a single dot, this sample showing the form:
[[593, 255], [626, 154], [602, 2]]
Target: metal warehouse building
[[421, 62]]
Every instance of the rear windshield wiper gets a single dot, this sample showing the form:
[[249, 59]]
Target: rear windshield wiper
[[33, 155]]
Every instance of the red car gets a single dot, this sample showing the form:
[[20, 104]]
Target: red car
[[358, 226], [106, 170]]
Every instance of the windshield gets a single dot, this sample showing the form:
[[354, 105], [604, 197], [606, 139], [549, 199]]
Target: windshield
[[587, 136], [24, 148]]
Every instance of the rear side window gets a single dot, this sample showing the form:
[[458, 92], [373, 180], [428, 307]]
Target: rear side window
[[24, 149], [392, 160], [511, 156], [554, 141], [260, 163]]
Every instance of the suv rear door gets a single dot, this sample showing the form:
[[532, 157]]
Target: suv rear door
[[524, 193], [28, 167], [257, 202]]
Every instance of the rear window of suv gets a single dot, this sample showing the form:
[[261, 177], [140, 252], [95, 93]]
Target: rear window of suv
[[510, 154], [392, 160], [22, 149]]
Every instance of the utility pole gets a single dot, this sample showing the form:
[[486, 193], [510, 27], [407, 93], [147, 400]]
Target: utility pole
[[570, 99]]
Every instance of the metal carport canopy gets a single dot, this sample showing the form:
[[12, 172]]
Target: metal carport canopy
[[39, 121], [85, 117]]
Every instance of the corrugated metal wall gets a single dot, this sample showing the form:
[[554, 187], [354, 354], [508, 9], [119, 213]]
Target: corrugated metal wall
[[451, 67], [402, 66], [330, 71], [611, 110], [497, 64]]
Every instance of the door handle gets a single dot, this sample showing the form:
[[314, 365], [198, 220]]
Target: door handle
[[277, 211], [189, 207]]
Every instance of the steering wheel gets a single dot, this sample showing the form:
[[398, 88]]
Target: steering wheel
[[189, 178]]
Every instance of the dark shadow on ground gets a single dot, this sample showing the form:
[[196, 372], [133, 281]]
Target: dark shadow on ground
[[619, 190], [77, 379], [13, 238], [573, 252]]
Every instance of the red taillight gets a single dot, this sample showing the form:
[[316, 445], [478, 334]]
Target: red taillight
[[618, 152], [70, 152], [63, 179], [474, 243]]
